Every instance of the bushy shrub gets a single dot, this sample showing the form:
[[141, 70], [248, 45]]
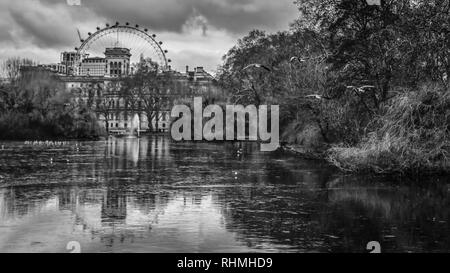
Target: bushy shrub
[[412, 134]]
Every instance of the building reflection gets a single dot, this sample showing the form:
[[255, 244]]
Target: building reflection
[[126, 153], [153, 194], [114, 207]]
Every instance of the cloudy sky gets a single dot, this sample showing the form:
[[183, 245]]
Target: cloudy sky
[[196, 32]]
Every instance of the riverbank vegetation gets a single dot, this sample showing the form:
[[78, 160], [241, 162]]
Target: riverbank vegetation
[[365, 86], [411, 134], [34, 105]]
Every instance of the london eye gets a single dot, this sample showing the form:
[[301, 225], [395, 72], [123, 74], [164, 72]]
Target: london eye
[[140, 42]]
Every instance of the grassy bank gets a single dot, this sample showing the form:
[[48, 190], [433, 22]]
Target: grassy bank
[[412, 136]]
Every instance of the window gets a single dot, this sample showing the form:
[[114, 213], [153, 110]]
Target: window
[[117, 125]]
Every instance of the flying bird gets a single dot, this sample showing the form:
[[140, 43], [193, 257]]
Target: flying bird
[[361, 89], [257, 66], [367, 87], [296, 59], [317, 97]]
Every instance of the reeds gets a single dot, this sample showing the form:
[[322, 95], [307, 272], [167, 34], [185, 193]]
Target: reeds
[[412, 136]]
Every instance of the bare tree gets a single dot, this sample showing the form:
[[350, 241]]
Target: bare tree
[[12, 66], [103, 104], [147, 90]]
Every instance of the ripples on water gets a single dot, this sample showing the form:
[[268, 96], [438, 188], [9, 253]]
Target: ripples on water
[[153, 195]]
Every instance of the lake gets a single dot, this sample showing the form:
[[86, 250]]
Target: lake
[[156, 195]]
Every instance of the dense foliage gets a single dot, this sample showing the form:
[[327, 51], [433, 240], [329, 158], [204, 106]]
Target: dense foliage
[[338, 68], [34, 105]]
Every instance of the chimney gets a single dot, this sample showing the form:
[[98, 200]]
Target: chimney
[[187, 69]]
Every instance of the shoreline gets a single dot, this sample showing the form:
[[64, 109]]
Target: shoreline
[[309, 154], [304, 152], [288, 149]]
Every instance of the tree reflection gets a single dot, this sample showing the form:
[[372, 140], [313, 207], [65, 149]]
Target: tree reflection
[[152, 194]]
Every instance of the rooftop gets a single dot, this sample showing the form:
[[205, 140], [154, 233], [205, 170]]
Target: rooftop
[[117, 51]]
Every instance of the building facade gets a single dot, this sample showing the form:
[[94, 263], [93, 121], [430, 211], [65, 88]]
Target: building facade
[[97, 83], [117, 61], [120, 115], [93, 67]]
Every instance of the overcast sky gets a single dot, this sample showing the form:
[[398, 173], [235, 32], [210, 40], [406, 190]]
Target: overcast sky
[[196, 32]]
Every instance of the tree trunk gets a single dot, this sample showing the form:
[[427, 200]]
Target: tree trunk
[[150, 121], [157, 121]]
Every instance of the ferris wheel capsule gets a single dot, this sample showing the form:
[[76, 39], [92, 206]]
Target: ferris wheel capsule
[[107, 25], [98, 28], [137, 26], [127, 23], [117, 23]]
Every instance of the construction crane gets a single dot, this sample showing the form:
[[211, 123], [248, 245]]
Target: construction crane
[[79, 34]]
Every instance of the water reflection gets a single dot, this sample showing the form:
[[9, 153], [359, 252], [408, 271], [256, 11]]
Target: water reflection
[[153, 195]]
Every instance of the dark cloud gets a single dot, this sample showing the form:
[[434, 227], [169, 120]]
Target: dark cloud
[[235, 16], [41, 23], [44, 33], [201, 30]]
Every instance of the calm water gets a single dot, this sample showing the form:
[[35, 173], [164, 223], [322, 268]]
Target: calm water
[[153, 195]]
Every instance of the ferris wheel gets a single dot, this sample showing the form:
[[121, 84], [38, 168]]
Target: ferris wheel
[[141, 43]]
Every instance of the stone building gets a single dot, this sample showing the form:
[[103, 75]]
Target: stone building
[[119, 115], [117, 61], [93, 67], [97, 82], [115, 64]]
